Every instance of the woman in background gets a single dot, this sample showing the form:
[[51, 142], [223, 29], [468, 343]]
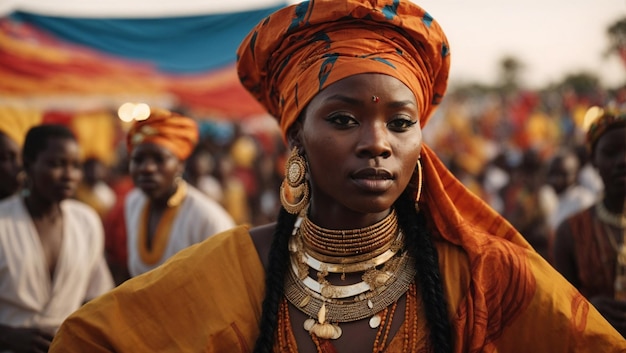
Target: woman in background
[[164, 214], [589, 249]]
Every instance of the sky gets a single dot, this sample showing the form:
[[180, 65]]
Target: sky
[[551, 38]]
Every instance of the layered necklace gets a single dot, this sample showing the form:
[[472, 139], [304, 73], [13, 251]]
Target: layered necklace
[[376, 251]]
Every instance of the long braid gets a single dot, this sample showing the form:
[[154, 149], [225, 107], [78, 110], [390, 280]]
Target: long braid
[[275, 281], [421, 247]]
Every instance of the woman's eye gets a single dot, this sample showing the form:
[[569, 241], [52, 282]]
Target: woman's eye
[[401, 124], [343, 120]]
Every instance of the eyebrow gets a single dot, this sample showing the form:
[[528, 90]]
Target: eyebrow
[[356, 101]]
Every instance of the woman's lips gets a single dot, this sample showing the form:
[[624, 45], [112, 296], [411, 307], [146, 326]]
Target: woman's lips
[[375, 180]]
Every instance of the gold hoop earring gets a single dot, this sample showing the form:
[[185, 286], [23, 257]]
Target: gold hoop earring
[[415, 185], [294, 186], [419, 182]]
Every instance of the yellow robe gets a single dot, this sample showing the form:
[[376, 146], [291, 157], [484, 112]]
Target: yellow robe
[[208, 298]]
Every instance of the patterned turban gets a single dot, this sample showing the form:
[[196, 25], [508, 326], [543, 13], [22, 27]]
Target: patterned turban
[[302, 49], [599, 121], [177, 133]]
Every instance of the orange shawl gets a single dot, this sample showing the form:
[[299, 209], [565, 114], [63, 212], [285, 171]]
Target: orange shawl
[[300, 50]]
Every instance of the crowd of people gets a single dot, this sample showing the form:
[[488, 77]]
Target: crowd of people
[[354, 218]]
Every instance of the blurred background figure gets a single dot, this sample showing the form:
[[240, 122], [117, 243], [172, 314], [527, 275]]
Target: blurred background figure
[[563, 195], [164, 214], [199, 172], [590, 248], [93, 189], [51, 247], [10, 165], [13, 128], [521, 204]]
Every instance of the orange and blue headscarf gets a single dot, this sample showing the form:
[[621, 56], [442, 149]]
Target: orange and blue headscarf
[[302, 49]]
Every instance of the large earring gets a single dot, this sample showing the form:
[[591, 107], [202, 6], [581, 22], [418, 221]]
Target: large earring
[[415, 185], [294, 187], [420, 180]]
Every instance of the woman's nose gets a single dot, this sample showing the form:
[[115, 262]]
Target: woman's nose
[[374, 141]]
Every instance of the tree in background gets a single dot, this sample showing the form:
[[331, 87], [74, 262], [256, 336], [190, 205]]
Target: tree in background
[[617, 37]]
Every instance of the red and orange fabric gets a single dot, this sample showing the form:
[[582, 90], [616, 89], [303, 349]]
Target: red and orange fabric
[[177, 133], [298, 51]]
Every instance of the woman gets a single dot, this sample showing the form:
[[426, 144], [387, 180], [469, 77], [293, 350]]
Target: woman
[[164, 214], [352, 265], [51, 247], [590, 244]]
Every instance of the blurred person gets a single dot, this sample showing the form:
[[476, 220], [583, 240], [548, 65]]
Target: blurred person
[[377, 246], [164, 214], [494, 177], [590, 248], [115, 241], [563, 195], [51, 246], [93, 189], [10, 165], [235, 198], [199, 170], [588, 176], [522, 204]]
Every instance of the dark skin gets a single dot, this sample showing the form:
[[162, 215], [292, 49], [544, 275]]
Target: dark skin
[[563, 171], [609, 158], [54, 176], [361, 156], [154, 170], [10, 166]]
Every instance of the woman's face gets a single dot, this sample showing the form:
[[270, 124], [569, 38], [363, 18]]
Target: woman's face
[[10, 166], [57, 170], [362, 139], [154, 169], [609, 158]]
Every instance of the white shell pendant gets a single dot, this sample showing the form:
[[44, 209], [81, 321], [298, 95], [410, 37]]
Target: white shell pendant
[[375, 321], [370, 304], [308, 324]]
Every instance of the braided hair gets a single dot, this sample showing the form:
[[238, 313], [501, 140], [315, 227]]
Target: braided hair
[[419, 244], [420, 247], [275, 281]]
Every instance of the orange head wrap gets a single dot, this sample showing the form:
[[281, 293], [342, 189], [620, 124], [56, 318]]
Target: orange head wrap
[[177, 133], [301, 49], [298, 51]]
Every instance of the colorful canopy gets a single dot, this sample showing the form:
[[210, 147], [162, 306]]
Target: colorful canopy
[[81, 63]]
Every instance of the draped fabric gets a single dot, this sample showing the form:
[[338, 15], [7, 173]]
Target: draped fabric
[[300, 50], [188, 305], [78, 63]]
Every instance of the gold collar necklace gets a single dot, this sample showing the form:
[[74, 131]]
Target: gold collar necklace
[[331, 304], [606, 216], [349, 242]]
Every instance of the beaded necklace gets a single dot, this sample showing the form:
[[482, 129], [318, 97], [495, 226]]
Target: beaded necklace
[[409, 339], [331, 304]]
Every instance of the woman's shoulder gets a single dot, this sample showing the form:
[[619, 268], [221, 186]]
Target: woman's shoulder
[[262, 238]]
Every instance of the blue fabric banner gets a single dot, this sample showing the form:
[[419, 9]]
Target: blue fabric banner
[[177, 45]]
